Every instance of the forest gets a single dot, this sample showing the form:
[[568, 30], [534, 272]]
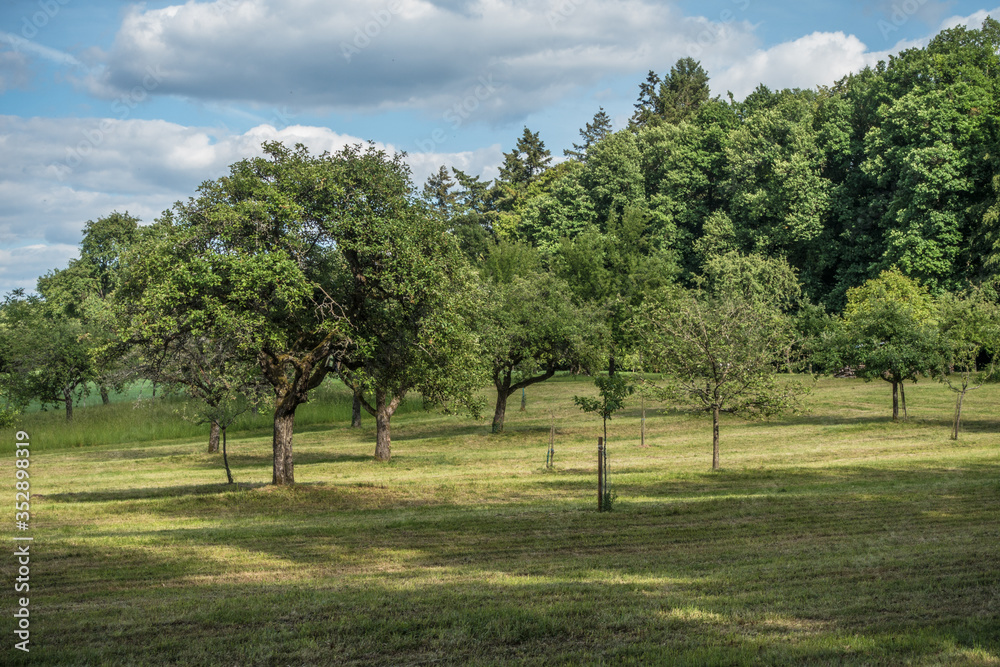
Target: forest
[[850, 229]]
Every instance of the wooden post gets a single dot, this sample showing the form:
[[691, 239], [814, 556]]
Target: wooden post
[[550, 459], [600, 474], [642, 426]]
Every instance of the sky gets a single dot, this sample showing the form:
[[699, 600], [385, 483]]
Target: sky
[[121, 106]]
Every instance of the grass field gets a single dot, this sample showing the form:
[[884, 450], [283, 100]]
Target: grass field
[[831, 537]]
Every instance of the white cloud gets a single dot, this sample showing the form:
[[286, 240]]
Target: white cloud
[[21, 45], [974, 20], [59, 173], [21, 267], [413, 54], [817, 59], [822, 58]]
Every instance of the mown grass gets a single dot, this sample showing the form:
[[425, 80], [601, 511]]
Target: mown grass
[[832, 537]]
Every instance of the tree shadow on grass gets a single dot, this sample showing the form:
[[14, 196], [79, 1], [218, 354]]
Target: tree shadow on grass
[[151, 492], [971, 425], [417, 431], [255, 461], [473, 623], [851, 565]]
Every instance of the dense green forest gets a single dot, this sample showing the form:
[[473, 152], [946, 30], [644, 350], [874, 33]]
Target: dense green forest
[[851, 228]]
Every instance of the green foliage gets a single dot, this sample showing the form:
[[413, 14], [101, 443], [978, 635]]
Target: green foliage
[[889, 332], [556, 209], [438, 193], [675, 98], [526, 162], [758, 279], [969, 329], [506, 261], [891, 166], [105, 242], [45, 355], [8, 416], [719, 352], [777, 195], [528, 327], [613, 390], [890, 287], [296, 259], [613, 176]]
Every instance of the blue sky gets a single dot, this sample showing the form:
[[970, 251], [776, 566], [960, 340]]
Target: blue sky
[[122, 106]]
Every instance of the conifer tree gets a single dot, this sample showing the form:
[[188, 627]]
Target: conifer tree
[[527, 161], [596, 130]]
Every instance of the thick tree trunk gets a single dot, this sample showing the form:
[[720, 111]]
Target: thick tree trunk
[[902, 398], [356, 411], [501, 408], [105, 399], [284, 423], [68, 400], [612, 366], [958, 415], [895, 401], [225, 458], [383, 442], [213, 438], [715, 438]]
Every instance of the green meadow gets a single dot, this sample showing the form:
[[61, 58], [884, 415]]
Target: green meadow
[[833, 536]]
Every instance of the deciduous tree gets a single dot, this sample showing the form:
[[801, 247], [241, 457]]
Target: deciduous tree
[[720, 352], [254, 260]]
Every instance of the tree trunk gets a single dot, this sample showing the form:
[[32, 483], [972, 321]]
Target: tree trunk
[[105, 399], [225, 458], [213, 438], [501, 409], [715, 438], [68, 400], [524, 401], [284, 423], [612, 366], [902, 398], [356, 411], [383, 442], [895, 401], [958, 415], [642, 424]]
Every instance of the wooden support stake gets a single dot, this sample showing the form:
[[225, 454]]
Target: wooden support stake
[[600, 474], [550, 459]]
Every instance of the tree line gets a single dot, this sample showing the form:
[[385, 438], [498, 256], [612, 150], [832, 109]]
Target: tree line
[[851, 229]]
